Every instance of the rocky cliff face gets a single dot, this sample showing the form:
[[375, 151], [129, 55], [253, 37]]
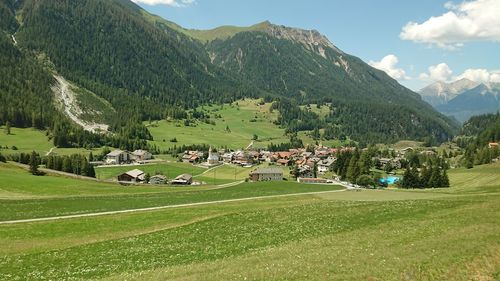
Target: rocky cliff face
[[311, 39]]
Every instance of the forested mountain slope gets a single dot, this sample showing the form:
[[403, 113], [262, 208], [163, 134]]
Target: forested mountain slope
[[145, 67], [305, 66], [25, 95], [108, 47]]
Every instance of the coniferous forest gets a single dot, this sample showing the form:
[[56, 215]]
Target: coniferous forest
[[148, 70]]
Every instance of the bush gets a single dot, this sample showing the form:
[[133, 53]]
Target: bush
[[365, 181]]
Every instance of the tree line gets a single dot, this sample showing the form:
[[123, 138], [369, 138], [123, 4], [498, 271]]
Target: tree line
[[75, 164]]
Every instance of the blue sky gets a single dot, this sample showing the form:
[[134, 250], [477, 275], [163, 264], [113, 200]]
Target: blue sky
[[447, 40]]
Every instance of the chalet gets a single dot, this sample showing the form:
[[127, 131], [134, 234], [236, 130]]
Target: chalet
[[265, 156], [191, 156], [312, 180], [118, 157], [227, 157], [283, 155], [326, 164], [141, 155], [283, 162], [267, 174], [184, 179], [132, 176], [305, 171], [493, 145], [394, 163]]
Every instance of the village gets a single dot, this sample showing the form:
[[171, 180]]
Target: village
[[310, 166]]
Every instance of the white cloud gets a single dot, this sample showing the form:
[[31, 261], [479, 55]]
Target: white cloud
[[388, 64], [440, 72], [174, 3], [477, 20], [480, 75]]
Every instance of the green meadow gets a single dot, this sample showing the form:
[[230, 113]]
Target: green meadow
[[441, 234], [27, 140], [244, 119]]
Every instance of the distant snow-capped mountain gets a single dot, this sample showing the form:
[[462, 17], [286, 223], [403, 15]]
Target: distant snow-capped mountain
[[440, 93], [482, 99]]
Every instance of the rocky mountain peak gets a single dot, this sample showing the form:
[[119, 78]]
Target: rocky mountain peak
[[311, 39]]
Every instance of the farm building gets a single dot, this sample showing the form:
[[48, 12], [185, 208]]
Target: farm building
[[184, 179], [141, 155], [118, 157], [267, 174], [132, 176]]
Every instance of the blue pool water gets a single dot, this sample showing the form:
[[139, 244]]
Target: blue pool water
[[389, 180]]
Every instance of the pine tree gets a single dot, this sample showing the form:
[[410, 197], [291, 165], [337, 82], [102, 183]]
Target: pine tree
[[7, 128], [365, 163], [33, 163], [66, 165], [435, 179], [445, 180], [353, 170]]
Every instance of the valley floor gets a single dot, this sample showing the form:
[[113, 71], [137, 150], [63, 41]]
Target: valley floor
[[442, 234]]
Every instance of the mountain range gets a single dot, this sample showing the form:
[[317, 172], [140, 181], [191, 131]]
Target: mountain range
[[463, 99], [144, 66]]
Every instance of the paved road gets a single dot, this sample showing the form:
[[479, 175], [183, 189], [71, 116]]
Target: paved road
[[164, 207]]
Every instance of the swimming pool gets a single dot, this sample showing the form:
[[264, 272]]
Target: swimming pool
[[390, 180]]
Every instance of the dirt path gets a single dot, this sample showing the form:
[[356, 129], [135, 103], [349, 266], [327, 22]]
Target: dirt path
[[249, 146], [67, 98], [50, 151], [166, 207]]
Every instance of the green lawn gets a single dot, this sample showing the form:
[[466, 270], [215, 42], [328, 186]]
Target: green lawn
[[446, 234], [169, 169]]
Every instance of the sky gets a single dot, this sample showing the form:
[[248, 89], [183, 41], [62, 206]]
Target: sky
[[416, 42]]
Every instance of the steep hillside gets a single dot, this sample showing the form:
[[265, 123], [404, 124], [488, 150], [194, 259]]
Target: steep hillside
[[479, 100], [25, 95], [110, 48], [440, 92]]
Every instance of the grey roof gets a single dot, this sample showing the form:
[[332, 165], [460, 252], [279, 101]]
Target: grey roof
[[115, 152], [268, 171], [185, 177], [135, 173], [139, 152]]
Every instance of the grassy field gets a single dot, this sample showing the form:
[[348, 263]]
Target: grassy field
[[27, 139], [448, 234], [236, 117]]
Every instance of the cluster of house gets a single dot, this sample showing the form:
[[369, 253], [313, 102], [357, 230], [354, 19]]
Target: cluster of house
[[138, 176], [194, 156], [305, 160], [117, 157]]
